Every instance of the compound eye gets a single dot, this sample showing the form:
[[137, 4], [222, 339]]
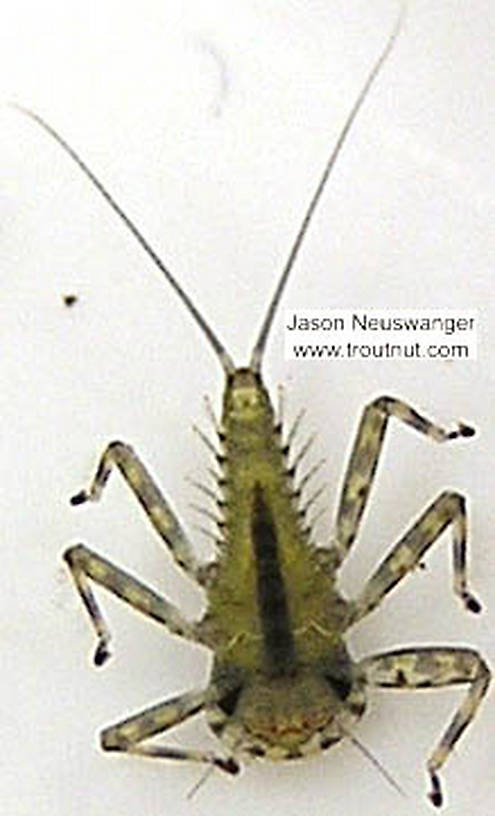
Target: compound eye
[[341, 684], [228, 703]]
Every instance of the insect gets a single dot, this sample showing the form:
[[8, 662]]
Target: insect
[[283, 683]]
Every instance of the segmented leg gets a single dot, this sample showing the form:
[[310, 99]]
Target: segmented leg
[[155, 505], [364, 459], [448, 509], [130, 733], [85, 564], [429, 668]]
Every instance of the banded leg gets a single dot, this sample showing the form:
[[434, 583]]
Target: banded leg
[[155, 505], [449, 508], [433, 667], [85, 564], [128, 735], [362, 465]]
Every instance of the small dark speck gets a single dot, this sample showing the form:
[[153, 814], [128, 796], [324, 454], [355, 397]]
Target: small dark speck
[[70, 300]]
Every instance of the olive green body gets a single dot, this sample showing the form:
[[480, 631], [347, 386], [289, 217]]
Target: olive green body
[[275, 619]]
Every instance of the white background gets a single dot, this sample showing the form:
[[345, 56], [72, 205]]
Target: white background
[[211, 123]]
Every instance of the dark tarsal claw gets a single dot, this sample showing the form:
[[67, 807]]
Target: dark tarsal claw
[[462, 430], [435, 795], [79, 498], [471, 603], [229, 765], [102, 654]]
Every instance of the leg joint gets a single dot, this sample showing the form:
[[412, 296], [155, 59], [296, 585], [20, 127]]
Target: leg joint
[[112, 740], [382, 403], [72, 556]]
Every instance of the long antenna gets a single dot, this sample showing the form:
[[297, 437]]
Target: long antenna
[[259, 348], [220, 351]]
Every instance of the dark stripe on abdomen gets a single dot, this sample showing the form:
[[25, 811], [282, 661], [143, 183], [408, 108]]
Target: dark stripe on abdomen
[[272, 601]]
